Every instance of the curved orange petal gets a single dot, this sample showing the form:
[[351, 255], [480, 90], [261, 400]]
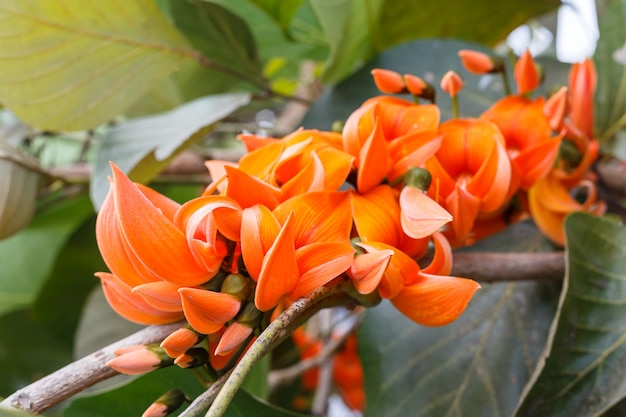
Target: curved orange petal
[[476, 62], [310, 177], [387, 81], [377, 215], [464, 208], [217, 171], [154, 239], [374, 162], [357, 128], [261, 162], [368, 269], [319, 263], [420, 215], [254, 142], [233, 337], [132, 306], [322, 216], [442, 259], [161, 295], [536, 161], [337, 166], [401, 268], [435, 300], [260, 229], [413, 119], [248, 190], [582, 84], [526, 73], [167, 206], [207, 311], [412, 151], [279, 271]]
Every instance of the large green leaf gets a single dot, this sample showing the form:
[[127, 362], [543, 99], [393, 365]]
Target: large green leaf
[[281, 11], [611, 92], [144, 146], [27, 351], [71, 279], [351, 27], [70, 65], [585, 363], [221, 35], [476, 366], [27, 258], [429, 59]]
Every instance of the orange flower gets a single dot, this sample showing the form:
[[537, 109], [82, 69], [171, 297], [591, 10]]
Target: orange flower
[[582, 86], [451, 83], [471, 172], [528, 136], [476, 62], [550, 200], [304, 241], [348, 374], [526, 73], [388, 82]]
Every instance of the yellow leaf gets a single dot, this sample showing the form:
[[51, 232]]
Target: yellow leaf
[[73, 65]]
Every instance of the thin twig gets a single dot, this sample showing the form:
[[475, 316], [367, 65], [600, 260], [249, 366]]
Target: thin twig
[[204, 400], [287, 375], [81, 374], [266, 342]]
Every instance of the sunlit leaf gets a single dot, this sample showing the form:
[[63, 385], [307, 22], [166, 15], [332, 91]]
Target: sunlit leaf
[[144, 146], [583, 372], [71, 66], [28, 257]]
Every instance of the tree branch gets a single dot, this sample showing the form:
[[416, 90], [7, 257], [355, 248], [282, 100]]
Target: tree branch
[[498, 267], [81, 374]]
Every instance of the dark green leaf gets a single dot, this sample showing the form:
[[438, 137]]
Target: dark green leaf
[[245, 404], [583, 372], [428, 59], [476, 366], [281, 11], [223, 37], [27, 351], [610, 99], [28, 257], [63, 295], [145, 146]]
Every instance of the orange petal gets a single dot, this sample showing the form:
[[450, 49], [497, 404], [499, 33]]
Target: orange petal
[[207, 311], [260, 230], [412, 151], [167, 206], [161, 295], [435, 300], [254, 142], [526, 73], [249, 190], [401, 268], [377, 215], [337, 165], [388, 82], [279, 271], [442, 260], [180, 341], [257, 163], [476, 62], [319, 263], [451, 83], [556, 107], [233, 337], [154, 239], [136, 362], [582, 84], [464, 208], [367, 269], [536, 161], [415, 84], [374, 161], [217, 171], [309, 178], [132, 306], [421, 216], [318, 217]]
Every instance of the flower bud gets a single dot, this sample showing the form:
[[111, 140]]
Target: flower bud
[[479, 63], [419, 88], [193, 358], [139, 359], [526, 74], [388, 82], [236, 285], [181, 341], [451, 83], [19, 183], [166, 403]]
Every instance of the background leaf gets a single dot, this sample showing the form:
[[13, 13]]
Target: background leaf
[[31, 253], [281, 11], [146, 145], [610, 95], [70, 68], [476, 366], [583, 373]]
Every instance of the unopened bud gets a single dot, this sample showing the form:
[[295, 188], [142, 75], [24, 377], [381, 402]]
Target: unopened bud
[[181, 341], [419, 88], [418, 178], [388, 82], [479, 63], [139, 359], [166, 403], [193, 358], [451, 83], [19, 182], [238, 286]]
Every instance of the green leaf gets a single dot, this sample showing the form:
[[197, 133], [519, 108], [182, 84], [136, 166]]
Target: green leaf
[[222, 36], [27, 351], [245, 404], [14, 413], [281, 11], [66, 67], [476, 366], [430, 60], [351, 28], [583, 371], [611, 92], [28, 257], [60, 302], [146, 145]]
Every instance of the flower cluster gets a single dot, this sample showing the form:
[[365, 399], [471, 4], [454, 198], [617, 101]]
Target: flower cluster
[[361, 206]]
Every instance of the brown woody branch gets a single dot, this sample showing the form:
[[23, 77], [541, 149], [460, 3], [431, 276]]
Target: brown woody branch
[[494, 267]]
